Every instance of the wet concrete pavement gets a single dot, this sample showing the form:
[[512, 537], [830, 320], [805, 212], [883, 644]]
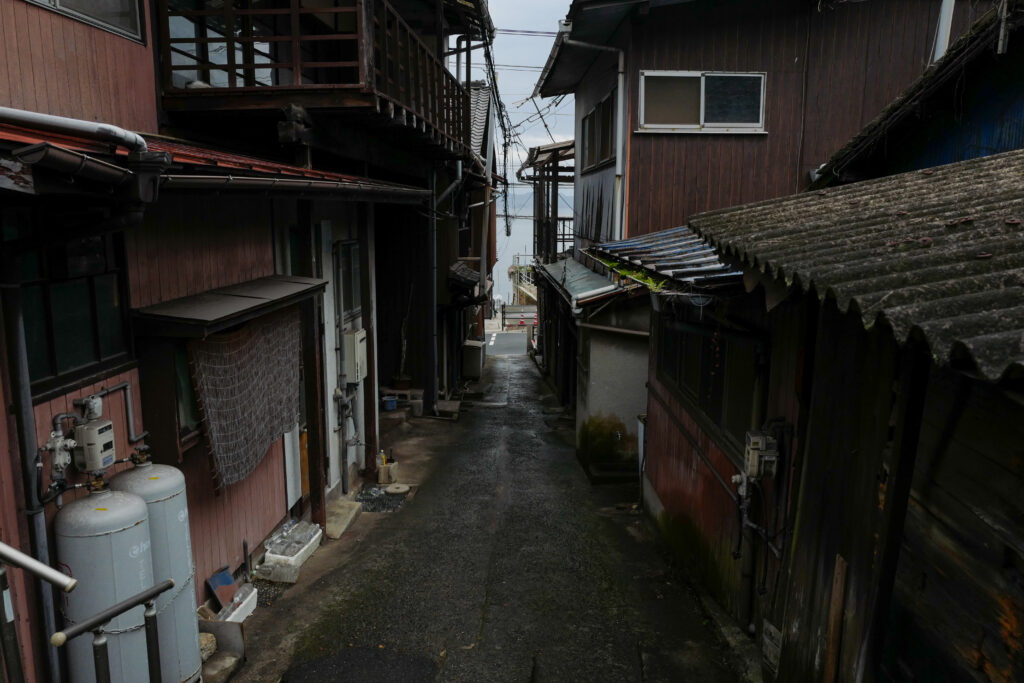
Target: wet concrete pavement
[[504, 565]]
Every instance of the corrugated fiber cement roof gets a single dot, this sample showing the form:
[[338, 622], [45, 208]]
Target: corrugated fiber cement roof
[[938, 252]]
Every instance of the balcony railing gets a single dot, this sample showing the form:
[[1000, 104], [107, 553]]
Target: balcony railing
[[324, 53]]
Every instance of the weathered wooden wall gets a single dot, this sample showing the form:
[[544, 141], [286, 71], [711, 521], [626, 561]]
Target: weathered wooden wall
[[188, 245], [53, 64], [594, 189], [829, 72], [959, 602], [701, 517]]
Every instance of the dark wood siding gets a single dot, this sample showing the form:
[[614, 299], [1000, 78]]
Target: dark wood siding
[[959, 598], [829, 72], [53, 64], [188, 245]]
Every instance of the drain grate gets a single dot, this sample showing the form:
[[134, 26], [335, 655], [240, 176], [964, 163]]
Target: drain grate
[[376, 499]]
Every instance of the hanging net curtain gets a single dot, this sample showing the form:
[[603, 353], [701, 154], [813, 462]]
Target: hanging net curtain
[[247, 387]]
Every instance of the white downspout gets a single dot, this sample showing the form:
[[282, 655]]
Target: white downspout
[[942, 30], [60, 124], [619, 229]]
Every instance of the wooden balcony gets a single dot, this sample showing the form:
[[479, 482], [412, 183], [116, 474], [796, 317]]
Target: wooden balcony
[[346, 58]]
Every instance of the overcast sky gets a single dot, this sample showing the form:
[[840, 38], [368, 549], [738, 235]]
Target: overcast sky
[[518, 60]]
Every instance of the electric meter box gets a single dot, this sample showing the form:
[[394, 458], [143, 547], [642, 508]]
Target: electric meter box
[[355, 356], [95, 451]]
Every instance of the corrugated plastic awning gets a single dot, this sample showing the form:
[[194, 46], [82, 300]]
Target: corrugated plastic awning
[[578, 284], [204, 314], [938, 253], [678, 254]]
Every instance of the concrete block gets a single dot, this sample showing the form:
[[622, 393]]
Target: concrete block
[[278, 572], [219, 667], [207, 645], [388, 474], [340, 516]]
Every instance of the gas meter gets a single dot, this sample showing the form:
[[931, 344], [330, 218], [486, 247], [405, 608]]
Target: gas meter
[[95, 446]]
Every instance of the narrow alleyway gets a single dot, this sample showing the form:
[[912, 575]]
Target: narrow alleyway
[[505, 565]]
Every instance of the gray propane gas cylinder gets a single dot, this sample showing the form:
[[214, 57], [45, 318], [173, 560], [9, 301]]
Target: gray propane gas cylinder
[[103, 541], [163, 489]]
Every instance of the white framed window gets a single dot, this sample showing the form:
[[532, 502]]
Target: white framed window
[[117, 16], [701, 102]]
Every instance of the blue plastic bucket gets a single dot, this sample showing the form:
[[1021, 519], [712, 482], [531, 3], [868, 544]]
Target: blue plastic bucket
[[390, 402]]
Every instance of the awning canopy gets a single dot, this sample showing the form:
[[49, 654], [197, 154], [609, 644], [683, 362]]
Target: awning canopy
[[678, 254], [578, 284], [204, 314]]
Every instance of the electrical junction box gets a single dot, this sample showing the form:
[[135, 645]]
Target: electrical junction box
[[355, 356], [95, 446], [761, 455]]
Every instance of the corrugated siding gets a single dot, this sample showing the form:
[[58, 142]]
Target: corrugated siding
[[828, 74], [188, 245], [56, 65]]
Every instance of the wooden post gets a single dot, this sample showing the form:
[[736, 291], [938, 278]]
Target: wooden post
[[915, 366], [312, 388], [368, 289], [835, 620]]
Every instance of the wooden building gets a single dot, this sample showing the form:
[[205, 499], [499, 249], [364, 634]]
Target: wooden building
[[684, 107], [875, 342], [172, 193]]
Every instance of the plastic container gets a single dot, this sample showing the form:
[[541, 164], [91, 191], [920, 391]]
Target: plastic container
[[389, 402]]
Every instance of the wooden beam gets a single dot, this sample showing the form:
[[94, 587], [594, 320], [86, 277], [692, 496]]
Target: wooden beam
[[835, 620]]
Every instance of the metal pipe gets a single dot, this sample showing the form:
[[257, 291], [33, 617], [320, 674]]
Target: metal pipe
[[609, 328], [9, 633], [75, 164], [100, 659], [341, 406], [942, 30], [485, 228], [620, 142], [16, 558], [103, 132], [21, 391], [97, 620], [152, 643], [129, 413], [347, 190]]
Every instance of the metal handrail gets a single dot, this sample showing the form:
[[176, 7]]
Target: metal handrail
[[96, 622], [16, 558]]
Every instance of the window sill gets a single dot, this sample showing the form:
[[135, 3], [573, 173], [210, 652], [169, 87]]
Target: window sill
[[51, 388], [608, 163], [701, 131]]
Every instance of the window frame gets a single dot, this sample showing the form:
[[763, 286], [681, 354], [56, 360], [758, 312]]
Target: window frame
[[59, 382], [711, 418], [139, 37], [703, 126], [592, 133]]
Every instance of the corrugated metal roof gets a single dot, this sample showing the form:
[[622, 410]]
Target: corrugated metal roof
[[678, 254], [479, 110], [578, 284], [939, 252]]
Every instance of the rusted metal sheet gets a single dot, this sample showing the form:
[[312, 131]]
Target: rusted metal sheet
[[16, 176]]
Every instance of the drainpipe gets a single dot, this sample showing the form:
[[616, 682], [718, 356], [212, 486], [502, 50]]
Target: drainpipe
[[430, 386], [620, 146], [486, 227], [17, 359], [942, 30], [341, 402], [103, 132]]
